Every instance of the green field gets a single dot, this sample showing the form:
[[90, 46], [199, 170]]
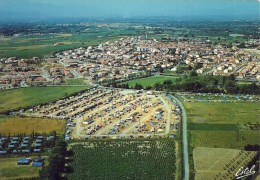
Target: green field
[[151, 81], [27, 46], [223, 113], [217, 163], [224, 139], [223, 125], [14, 125], [213, 127], [23, 97], [75, 82], [124, 160], [10, 170]]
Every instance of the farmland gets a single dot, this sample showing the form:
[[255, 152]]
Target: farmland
[[124, 160], [23, 97], [223, 139], [10, 170], [151, 81], [212, 163], [223, 124], [14, 125], [27, 46], [223, 113]]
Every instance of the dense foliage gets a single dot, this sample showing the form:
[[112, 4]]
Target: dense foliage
[[124, 160], [56, 162]]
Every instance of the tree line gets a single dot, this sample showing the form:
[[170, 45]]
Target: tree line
[[56, 162], [200, 84]]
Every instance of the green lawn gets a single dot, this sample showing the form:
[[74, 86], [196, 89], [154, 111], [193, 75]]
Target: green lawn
[[24, 97], [150, 81], [10, 170]]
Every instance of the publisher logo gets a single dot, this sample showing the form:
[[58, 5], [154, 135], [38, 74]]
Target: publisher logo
[[243, 172]]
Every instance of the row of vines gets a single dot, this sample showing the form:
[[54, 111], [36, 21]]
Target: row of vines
[[124, 160]]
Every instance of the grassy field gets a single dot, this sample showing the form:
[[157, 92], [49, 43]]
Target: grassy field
[[27, 46], [217, 163], [23, 97], [10, 170], [222, 125], [150, 81], [224, 139], [124, 160], [27, 125], [75, 82], [223, 113]]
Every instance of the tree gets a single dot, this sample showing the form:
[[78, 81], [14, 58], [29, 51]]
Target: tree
[[56, 162], [138, 86], [193, 73]]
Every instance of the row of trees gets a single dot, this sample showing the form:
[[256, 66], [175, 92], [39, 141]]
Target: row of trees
[[56, 162], [202, 84]]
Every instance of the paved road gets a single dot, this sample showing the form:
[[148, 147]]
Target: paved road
[[184, 139], [46, 74]]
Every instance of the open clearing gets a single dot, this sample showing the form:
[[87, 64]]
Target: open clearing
[[10, 170], [27, 125], [217, 163], [23, 97], [124, 160], [151, 81]]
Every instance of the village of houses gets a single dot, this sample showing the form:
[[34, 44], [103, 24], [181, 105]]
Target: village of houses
[[129, 58], [105, 112]]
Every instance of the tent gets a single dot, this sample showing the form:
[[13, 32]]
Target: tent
[[24, 161]]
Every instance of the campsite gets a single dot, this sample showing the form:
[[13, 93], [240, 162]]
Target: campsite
[[116, 113]]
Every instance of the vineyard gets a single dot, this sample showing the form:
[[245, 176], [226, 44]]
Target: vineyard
[[218, 163], [124, 160]]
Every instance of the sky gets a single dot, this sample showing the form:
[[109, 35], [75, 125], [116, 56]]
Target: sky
[[229, 9]]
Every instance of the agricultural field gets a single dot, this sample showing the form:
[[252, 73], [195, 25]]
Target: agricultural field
[[14, 125], [27, 46], [223, 125], [10, 170], [218, 163], [223, 113], [124, 160], [151, 81], [24, 97], [223, 139]]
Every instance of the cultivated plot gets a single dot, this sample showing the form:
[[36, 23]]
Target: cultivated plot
[[217, 163]]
